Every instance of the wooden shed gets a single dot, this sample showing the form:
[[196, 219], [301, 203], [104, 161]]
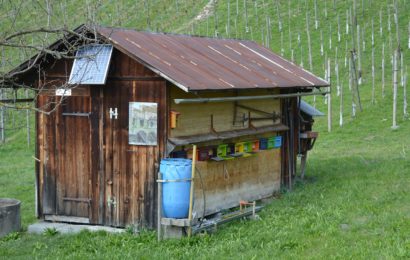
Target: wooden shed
[[132, 98]]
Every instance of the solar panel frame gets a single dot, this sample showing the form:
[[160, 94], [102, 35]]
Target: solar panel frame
[[86, 52]]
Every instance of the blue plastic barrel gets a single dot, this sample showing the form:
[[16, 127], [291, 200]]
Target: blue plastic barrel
[[176, 173]]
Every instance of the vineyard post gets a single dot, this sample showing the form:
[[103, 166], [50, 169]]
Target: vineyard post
[[316, 21], [373, 77], [28, 121], [330, 37], [405, 114], [321, 43], [309, 42], [383, 64], [359, 59], [2, 124], [338, 29], [395, 83], [329, 100]]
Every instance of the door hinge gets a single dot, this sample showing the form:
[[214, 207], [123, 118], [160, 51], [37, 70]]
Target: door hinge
[[113, 113]]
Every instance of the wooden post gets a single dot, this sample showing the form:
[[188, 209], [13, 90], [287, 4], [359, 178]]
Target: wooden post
[[191, 194]]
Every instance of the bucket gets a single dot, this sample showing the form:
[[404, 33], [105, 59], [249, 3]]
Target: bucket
[[10, 220], [176, 187]]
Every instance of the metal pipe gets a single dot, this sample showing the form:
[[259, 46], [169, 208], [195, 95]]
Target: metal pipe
[[240, 98]]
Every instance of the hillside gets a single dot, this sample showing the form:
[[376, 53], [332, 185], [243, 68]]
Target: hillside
[[354, 203]]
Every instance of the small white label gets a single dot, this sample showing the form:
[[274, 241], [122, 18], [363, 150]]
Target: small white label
[[63, 92], [113, 113]]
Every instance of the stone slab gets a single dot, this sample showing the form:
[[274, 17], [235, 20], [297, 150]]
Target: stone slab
[[65, 228]]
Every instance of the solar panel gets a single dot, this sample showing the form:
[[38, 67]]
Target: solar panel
[[91, 65]]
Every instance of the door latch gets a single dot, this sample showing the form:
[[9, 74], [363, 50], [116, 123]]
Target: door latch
[[111, 202], [113, 113]]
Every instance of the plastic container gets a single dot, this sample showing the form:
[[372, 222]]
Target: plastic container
[[278, 141], [176, 173], [263, 144]]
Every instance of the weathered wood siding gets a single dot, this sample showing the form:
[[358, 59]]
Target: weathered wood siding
[[87, 169], [226, 183], [196, 118]]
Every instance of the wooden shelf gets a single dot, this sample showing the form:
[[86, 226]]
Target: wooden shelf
[[185, 140]]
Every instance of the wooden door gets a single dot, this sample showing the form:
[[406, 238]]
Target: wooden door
[[76, 142], [130, 170]]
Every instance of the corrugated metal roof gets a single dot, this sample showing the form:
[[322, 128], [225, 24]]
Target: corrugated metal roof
[[310, 110], [200, 63]]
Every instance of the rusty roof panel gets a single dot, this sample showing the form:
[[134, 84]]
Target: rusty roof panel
[[200, 63]]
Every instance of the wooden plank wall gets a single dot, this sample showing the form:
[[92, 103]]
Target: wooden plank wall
[[196, 118], [132, 169], [226, 183], [124, 172]]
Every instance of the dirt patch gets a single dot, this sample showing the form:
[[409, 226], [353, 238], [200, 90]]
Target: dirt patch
[[207, 11]]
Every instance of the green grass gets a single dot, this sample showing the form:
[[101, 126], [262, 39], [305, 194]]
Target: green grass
[[354, 202]]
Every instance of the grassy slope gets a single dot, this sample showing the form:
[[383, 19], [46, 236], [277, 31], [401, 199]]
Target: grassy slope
[[353, 204]]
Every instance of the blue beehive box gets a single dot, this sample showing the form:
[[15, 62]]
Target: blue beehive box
[[278, 141], [263, 144]]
